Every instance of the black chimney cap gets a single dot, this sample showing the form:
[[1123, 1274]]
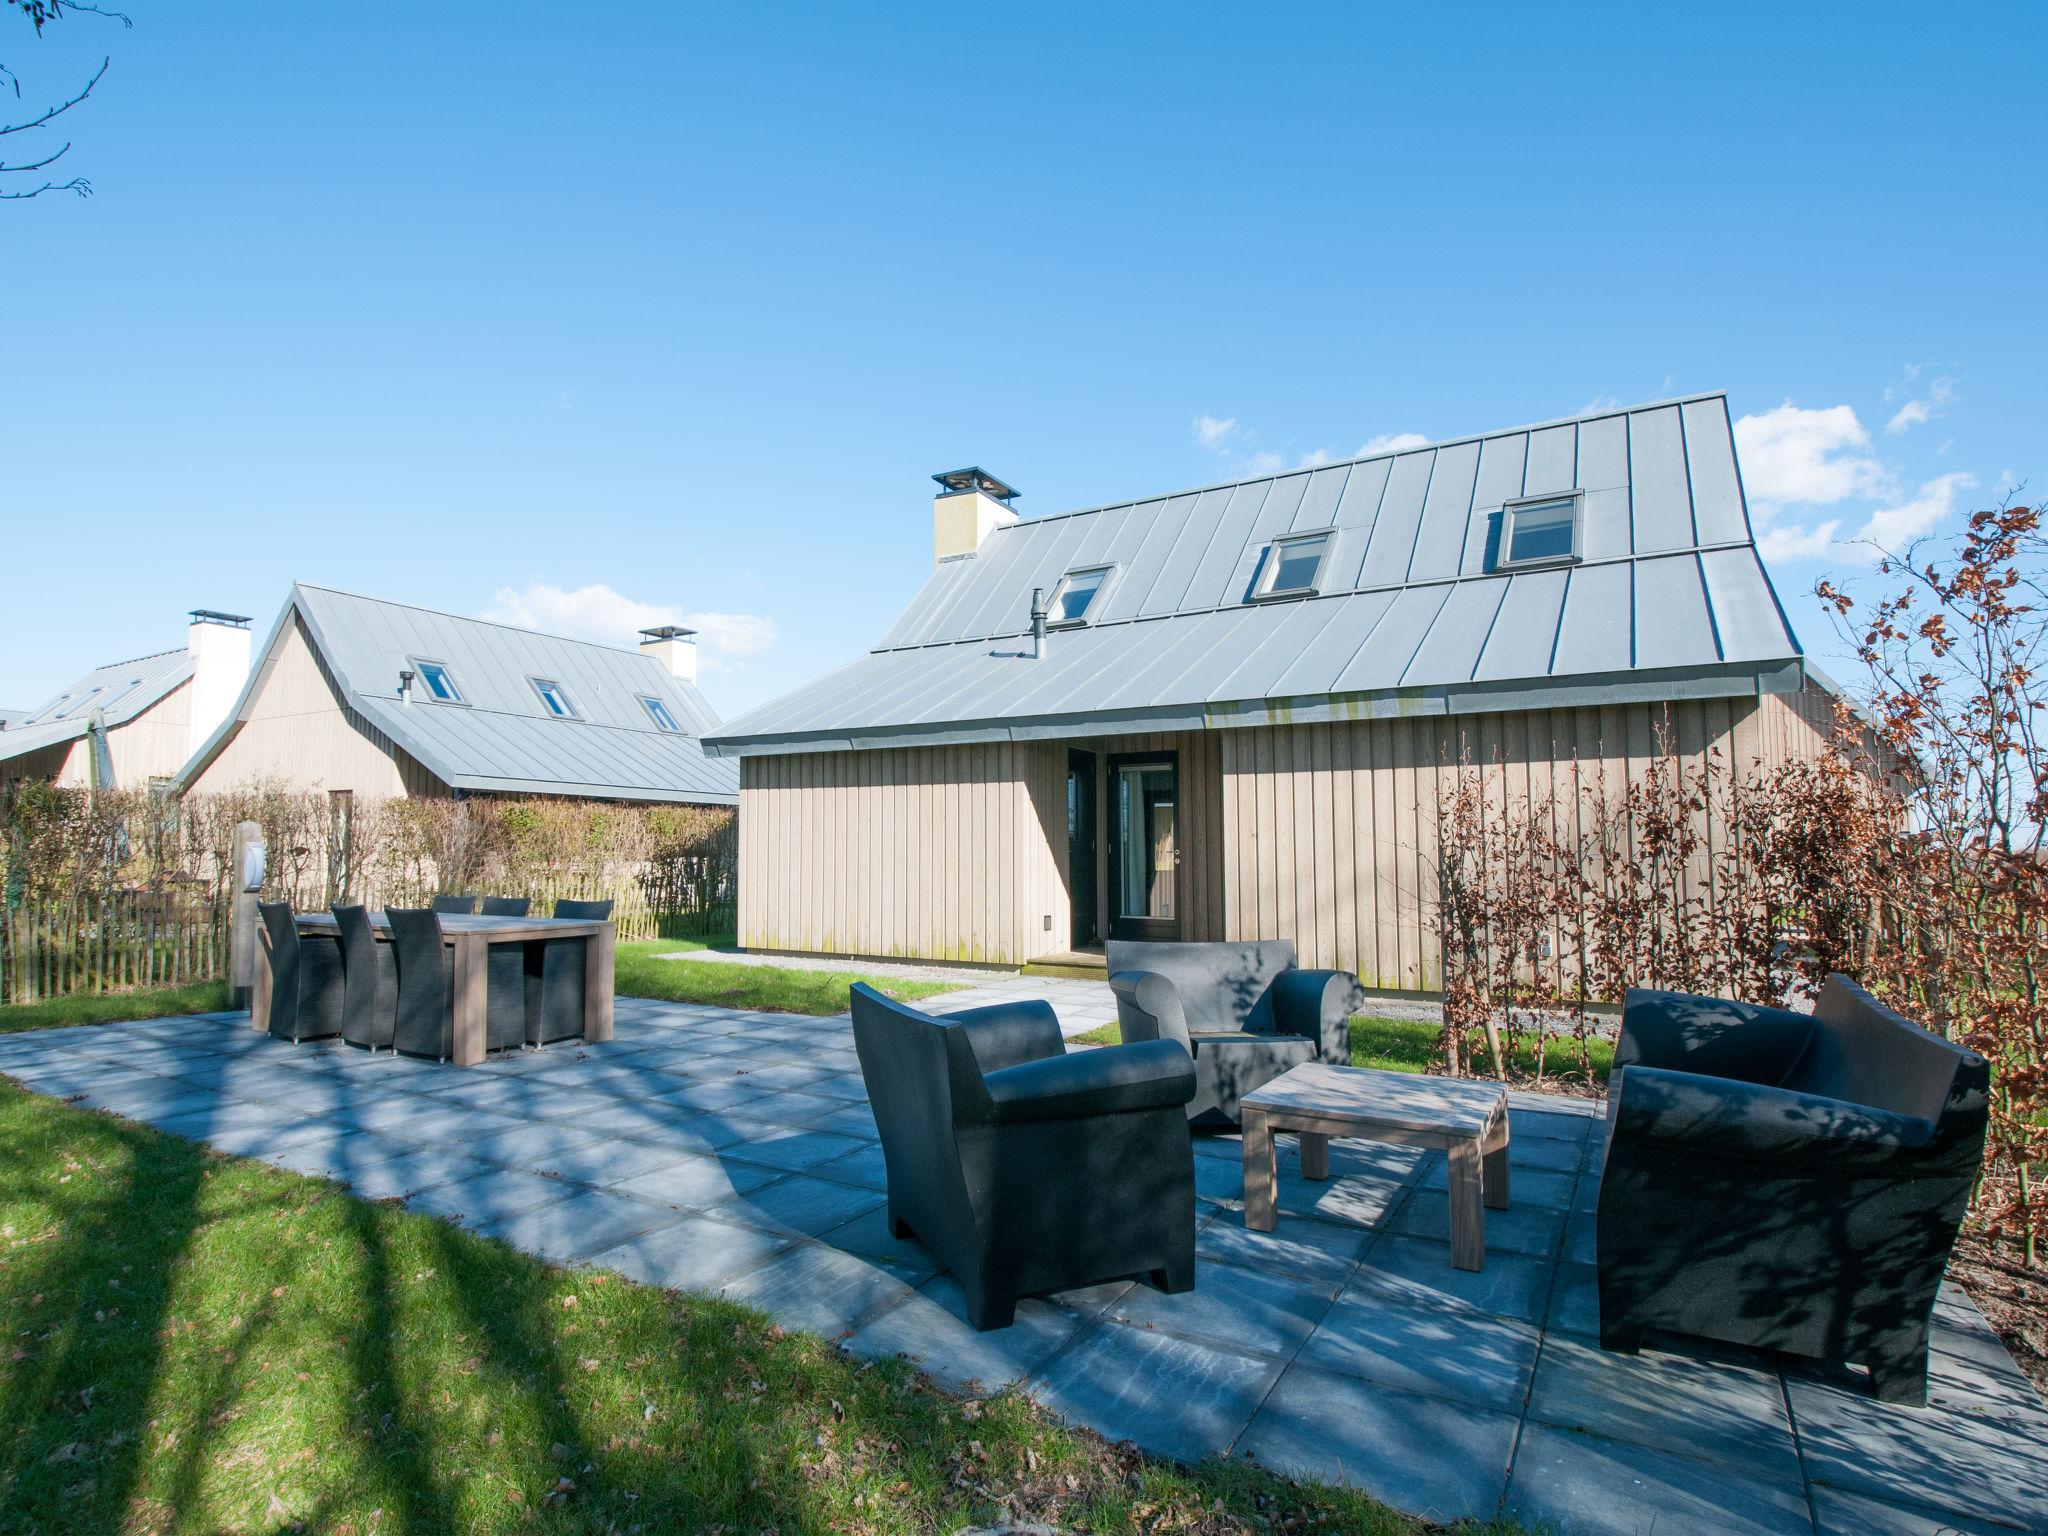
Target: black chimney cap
[[960, 481]]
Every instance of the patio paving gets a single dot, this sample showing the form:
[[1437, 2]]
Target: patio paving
[[732, 1153]]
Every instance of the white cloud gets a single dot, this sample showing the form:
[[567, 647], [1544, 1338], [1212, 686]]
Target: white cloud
[[1392, 442], [611, 618], [1600, 403], [1796, 457], [1912, 414], [1782, 545], [1314, 460], [1894, 527], [1261, 463], [1213, 432]]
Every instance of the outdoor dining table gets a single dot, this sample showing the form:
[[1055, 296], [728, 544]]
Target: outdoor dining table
[[471, 939]]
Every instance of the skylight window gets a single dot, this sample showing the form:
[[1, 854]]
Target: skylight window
[[1541, 531], [1077, 594], [554, 698], [1292, 565], [438, 681], [658, 713]]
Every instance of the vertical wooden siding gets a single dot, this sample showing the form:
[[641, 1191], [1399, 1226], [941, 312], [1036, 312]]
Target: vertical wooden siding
[[1331, 829], [932, 853]]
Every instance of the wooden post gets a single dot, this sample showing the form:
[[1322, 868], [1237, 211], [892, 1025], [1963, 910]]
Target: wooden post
[[600, 956], [245, 881], [472, 998]]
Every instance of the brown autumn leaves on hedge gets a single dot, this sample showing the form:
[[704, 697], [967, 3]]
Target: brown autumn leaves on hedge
[[1909, 855]]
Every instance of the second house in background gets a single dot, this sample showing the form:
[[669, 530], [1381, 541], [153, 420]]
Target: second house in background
[[350, 693]]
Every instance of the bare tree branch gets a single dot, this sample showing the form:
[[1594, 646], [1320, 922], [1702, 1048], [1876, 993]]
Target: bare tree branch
[[34, 165], [76, 184], [37, 122]]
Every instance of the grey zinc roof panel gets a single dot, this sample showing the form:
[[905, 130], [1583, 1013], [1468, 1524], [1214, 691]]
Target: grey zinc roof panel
[[1746, 614], [936, 586], [1406, 602], [1524, 633], [1446, 512], [1673, 625], [502, 735], [1656, 475], [1710, 464], [1597, 631], [1450, 650], [1226, 546], [1552, 462], [125, 690], [1393, 532]]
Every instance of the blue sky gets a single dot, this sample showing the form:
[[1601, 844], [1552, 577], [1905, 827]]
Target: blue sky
[[482, 306]]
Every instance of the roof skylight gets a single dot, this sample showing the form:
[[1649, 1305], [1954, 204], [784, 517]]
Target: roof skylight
[[1540, 531], [554, 698], [1074, 599], [1292, 566]]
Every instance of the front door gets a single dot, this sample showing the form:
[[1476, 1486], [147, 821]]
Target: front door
[[1144, 848], [1081, 853]]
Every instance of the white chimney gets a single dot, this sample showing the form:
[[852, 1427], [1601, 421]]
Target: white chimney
[[971, 505], [674, 647], [219, 645]]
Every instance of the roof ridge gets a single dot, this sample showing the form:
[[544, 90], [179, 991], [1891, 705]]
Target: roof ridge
[[1431, 446], [469, 618]]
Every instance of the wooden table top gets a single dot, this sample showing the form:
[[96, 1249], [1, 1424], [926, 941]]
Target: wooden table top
[[493, 930], [1367, 1096]]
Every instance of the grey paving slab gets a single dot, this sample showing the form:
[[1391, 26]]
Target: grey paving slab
[[1707, 1408], [793, 1147], [229, 1115], [652, 1120], [1575, 1300], [410, 1169], [605, 1161], [694, 1181], [521, 1146], [930, 1329], [1521, 1228], [490, 1196], [867, 1236], [1583, 1485], [803, 1205], [1548, 1123], [1930, 1458], [693, 1253], [1168, 1395], [867, 1168], [849, 1120], [1526, 1186], [1245, 1309], [1315, 1250], [1847, 1514], [1407, 1270], [793, 1107], [588, 1222], [818, 1288], [1470, 1356], [1430, 1456]]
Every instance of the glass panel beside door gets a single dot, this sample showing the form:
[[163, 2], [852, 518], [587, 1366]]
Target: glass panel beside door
[[1145, 848]]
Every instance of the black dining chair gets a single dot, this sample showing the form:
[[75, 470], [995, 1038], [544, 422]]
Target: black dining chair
[[507, 906], [505, 974], [425, 1021], [455, 906], [369, 981], [554, 983], [305, 978]]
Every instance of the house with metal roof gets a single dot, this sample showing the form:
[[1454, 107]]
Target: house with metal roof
[[131, 723], [383, 699], [1226, 712]]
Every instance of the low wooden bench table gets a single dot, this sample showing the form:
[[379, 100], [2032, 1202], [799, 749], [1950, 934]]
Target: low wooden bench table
[[1467, 1119]]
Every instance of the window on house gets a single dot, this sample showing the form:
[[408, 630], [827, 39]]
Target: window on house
[[1540, 531], [554, 698], [1292, 566], [658, 713], [438, 681], [1077, 594]]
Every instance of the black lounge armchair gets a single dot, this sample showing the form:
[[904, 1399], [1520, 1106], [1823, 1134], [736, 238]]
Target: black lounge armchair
[[1024, 1169], [507, 906], [305, 978], [369, 981], [425, 1020], [555, 975], [1786, 1182], [455, 906], [1242, 1010]]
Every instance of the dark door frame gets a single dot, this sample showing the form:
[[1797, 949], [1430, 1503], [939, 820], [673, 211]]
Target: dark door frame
[[1084, 887], [1115, 924]]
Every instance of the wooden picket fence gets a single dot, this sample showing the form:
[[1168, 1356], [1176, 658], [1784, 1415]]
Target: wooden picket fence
[[111, 942]]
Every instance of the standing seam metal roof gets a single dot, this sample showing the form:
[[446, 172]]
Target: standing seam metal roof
[[121, 690], [501, 737], [1413, 612]]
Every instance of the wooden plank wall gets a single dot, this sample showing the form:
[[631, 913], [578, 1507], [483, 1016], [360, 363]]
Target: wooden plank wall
[[932, 853], [301, 730], [1331, 829]]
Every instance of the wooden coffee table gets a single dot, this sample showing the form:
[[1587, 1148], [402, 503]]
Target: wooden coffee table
[[1467, 1119]]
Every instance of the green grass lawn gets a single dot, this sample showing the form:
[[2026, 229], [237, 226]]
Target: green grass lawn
[[198, 1343], [104, 1007], [1405, 1045], [776, 989]]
